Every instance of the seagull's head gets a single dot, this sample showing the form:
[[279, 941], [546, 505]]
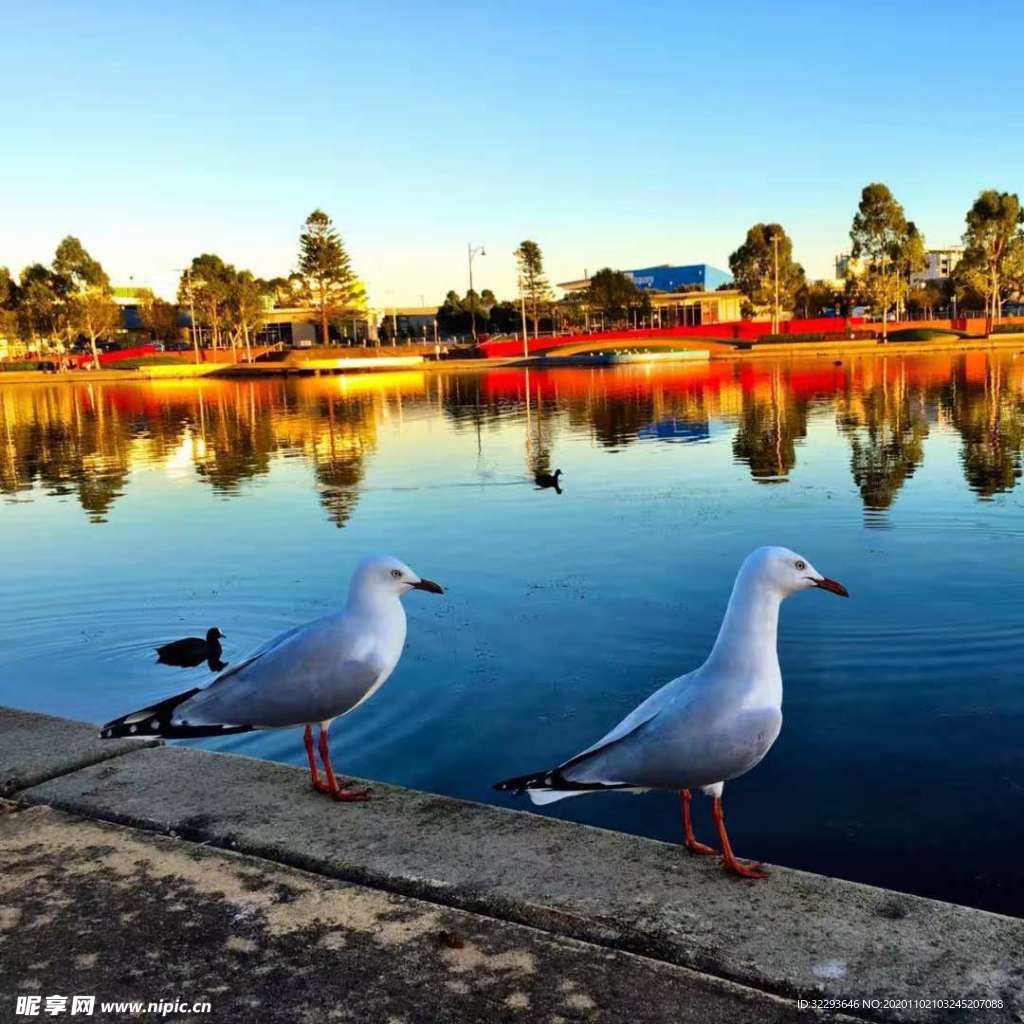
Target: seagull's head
[[387, 576], [787, 572]]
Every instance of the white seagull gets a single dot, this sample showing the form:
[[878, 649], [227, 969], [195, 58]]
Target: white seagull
[[708, 726], [311, 673]]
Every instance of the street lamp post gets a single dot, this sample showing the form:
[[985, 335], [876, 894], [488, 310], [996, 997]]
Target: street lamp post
[[472, 251], [775, 306], [522, 317], [192, 313]]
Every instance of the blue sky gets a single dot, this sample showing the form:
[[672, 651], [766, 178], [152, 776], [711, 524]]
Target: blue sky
[[614, 134]]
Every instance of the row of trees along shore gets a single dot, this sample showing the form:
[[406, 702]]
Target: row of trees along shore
[[230, 305], [887, 250], [72, 300]]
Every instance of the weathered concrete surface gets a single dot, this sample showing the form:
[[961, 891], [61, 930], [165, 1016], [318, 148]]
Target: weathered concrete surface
[[797, 935], [97, 909], [34, 748]]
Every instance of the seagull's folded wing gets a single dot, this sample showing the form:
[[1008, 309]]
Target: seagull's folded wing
[[309, 674]]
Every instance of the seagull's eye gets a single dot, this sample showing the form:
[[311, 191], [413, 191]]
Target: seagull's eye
[[397, 573], [801, 565]]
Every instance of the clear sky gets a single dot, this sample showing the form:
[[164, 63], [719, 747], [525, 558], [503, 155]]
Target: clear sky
[[619, 134]]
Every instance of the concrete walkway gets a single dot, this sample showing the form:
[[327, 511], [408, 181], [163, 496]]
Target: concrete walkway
[[139, 872]]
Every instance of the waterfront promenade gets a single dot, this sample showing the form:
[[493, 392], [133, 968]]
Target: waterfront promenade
[[337, 361], [134, 871]]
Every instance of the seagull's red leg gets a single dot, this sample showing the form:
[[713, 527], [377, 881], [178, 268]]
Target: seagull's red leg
[[729, 861], [314, 776], [689, 838], [335, 790]]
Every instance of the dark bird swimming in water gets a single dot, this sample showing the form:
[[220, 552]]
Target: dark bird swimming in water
[[545, 480], [193, 650]]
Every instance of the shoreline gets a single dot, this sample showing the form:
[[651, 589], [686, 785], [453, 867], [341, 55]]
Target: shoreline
[[716, 352], [615, 898]]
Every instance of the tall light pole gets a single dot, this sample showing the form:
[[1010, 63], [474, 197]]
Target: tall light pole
[[187, 271], [472, 251], [522, 316], [775, 307]]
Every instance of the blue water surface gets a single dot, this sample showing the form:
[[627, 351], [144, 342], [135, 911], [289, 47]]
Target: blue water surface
[[132, 514]]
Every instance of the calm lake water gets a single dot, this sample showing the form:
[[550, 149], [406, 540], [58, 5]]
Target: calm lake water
[[134, 514]]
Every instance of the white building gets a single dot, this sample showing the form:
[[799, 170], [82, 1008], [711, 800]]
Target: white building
[[941, 264]]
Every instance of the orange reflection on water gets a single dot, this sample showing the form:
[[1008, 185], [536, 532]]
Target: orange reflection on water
[[87, 439]]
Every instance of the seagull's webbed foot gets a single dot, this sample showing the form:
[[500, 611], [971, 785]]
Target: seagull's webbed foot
[[732, 866], [696, 846], [351, 795]]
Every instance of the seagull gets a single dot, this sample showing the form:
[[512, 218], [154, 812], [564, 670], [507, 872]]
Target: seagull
[[706, 727], [309, 674], [192, 650]]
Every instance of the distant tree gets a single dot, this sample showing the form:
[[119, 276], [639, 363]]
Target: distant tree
[[924, 298], [504, 318], [95, 314], [911, 258], [969, 282], [878, 234], [75, 273], [246, 307], [41, 306], [767, 252], [10, 299], [73, 263], [158, 316], [531, 272], [817, 298], [993, 244], [450, 315], [326, 269], [612, 293], [206, 286]]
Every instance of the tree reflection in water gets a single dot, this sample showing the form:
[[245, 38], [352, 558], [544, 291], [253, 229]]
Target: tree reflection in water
[[86, 440]]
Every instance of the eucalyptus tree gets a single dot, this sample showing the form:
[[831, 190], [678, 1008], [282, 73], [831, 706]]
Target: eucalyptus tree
[[40, 307], [911, 259], [765, 271], [612, 294], [329, 282], [158, 315], [535, 288], [89, 307], [248, 297], [95, 314], [205, 286], [994, 245], [878, 234], [83, 285], [10, 299]]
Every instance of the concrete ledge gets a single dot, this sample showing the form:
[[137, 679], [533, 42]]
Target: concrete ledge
[[93, 907], [34, 748], [797, 935]]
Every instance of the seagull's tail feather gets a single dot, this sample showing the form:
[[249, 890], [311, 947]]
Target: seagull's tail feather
[[521, 783], [548, 786], [155, 720]]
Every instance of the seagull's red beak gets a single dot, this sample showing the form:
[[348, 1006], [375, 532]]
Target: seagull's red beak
[[429, 585], [832, 585]]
